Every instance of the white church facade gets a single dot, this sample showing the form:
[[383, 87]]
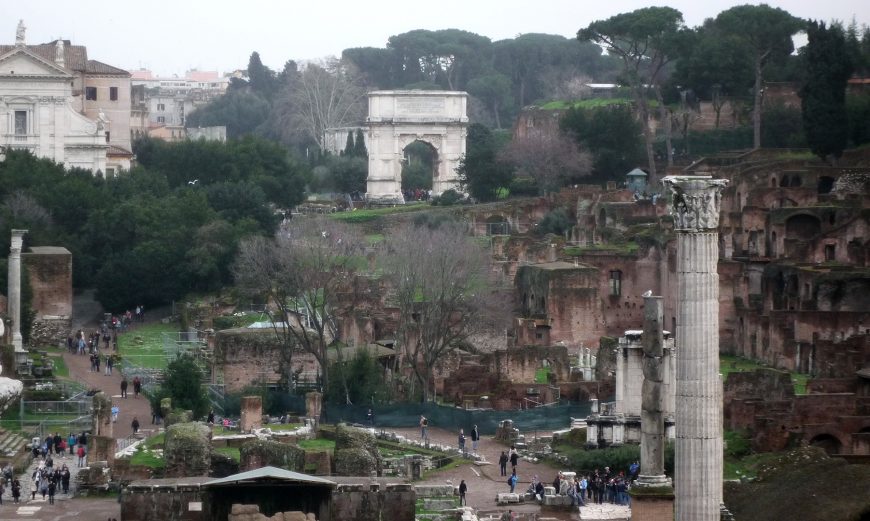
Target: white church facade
[[43, 106]]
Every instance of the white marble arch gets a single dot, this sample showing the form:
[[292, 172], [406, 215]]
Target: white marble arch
[[397, 119]]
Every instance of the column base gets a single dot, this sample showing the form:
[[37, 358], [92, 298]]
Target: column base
[[652, 503]]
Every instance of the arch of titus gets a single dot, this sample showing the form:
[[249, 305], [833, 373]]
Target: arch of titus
[[396, 119]]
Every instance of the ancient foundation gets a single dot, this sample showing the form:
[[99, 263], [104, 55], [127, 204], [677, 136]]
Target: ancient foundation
[[695, 208]]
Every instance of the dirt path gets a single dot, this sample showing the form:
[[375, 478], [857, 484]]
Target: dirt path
[[485, 481]]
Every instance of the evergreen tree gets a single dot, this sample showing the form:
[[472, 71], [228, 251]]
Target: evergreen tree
[[348, 146], [479, 170], [359, 148], [823, 94]]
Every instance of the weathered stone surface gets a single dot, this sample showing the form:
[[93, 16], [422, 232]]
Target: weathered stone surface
[[186, 450], [438, 504], [433, 490], [356, 452], [507, 498], [252, 413], [260, 453]]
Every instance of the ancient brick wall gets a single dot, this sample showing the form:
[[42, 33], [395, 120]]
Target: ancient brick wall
[[370, 503], [248, 356]]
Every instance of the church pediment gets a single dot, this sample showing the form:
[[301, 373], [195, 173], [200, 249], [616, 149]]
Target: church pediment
[[22, 62]]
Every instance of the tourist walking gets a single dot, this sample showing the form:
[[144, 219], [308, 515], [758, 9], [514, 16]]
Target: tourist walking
[[124, 387], [64, 479], [475, 439], [135, 425], [512, 481], [110, 363], [81, 454], [16, 490], [461, 441], [463, 488], [514, 457], [502, 463], [71, 444], [424, 425], [52, 487], [137, 386]]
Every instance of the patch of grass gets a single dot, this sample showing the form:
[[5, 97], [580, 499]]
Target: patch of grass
[[230, 452], [542, 375], [800, 382], [627, 248], [585, 104], [319, 444], [420, 510], [375, 238], [361, 216], [736, 364], [147, 458], [60, 368], [143, 346], [280, 427], [156, 441]]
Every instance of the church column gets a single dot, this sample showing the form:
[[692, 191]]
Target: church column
[[695, 208], [14, 291]]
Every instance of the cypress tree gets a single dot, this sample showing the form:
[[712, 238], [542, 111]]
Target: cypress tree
[[359, 149], [348, 146], [823, 94]]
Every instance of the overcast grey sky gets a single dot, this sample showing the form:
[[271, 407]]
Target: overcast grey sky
[[171, 37]]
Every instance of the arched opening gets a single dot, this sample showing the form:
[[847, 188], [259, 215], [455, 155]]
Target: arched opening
[[802, 227], [497, 225], [796, 180], [773, 182], [783, 182], [419, 167], [772, 244], [826, 184], [602, 218], [828, 443]]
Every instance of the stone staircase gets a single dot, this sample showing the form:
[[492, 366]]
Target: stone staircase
[[12, 444]]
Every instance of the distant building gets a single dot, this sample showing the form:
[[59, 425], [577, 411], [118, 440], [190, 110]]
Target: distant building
[[335, 139], [167, 102], [208, 133], [60, 105]]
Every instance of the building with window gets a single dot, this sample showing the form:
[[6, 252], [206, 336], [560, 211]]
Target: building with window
[[60, 105]]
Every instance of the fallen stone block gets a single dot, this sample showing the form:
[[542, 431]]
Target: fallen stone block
[[507, 498]]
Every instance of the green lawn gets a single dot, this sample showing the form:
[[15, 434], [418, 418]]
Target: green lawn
[[147, 458], [361, 216], [143, 346], [736, 364], [319, 444], [60, 368], [231, 452]]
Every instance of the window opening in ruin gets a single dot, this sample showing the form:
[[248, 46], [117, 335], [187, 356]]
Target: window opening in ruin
[[830, 252], [783, 182], [832, 218], [773, 182], [795, 180], [21, 122], [826, 184], [91, 93], [616, 283], [113, 93], [773, 244]]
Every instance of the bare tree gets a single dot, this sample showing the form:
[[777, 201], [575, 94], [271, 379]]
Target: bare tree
[[550, 159], [444, 292], [323, 95], [24, 209], [307, 273]]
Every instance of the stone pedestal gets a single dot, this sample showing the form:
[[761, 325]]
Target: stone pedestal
[[695, 208], [252, 413], [647, 505], [313, 405]]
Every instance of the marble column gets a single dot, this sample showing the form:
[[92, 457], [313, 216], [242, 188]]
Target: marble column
[[14, 285], [695, 203], [652, 416]]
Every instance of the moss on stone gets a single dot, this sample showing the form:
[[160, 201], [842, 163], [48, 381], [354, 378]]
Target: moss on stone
[[260, 453], [187, 449]]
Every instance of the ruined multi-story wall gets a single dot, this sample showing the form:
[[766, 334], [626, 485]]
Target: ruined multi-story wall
[[50, 271], [245, 356]]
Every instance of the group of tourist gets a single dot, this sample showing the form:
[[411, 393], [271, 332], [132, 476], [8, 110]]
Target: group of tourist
[[46, 480], [597, 487], [137, 386], [58, 446]]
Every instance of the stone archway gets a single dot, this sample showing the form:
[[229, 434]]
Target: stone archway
[[398, 118]]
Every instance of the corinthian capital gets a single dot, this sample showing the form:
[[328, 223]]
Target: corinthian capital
[[695, 201]]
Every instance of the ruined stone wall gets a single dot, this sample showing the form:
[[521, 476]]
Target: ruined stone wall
[[50, 272], [162, 500], [247, 356], [369, 502]]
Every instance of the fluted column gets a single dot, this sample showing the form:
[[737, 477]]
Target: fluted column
[[14, 290], [698, 416]]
